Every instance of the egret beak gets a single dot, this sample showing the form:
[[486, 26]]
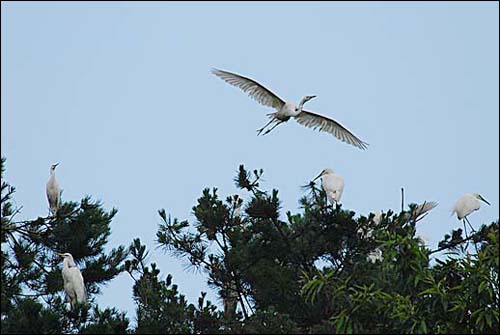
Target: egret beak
[[483, 199], [62, 255], [312, 97], [318, 176], [56, 164]]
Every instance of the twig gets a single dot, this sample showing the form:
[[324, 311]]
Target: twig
[[15, 213], [240, 295], [402, 198], [249, 305]]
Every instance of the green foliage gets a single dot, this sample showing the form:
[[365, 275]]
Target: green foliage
[[323, 270], [405, 294], [109, 321], [274, 267], [269, 321], [160, 307], [30, 317]]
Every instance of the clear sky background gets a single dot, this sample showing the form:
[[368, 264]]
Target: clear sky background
[[122, 96]]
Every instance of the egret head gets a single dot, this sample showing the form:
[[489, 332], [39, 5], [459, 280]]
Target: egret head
[[479, 197], [308, 97], [53, 167], [67, 256], [325, 171]]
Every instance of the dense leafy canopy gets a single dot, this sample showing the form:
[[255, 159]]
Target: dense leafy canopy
[[324, 270]]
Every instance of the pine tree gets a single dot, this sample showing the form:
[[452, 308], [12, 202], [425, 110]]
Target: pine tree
[[161, 309]]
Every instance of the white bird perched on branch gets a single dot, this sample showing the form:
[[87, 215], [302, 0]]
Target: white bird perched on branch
[[73, 281], [467, 204], [286, 110], [332, 184], [53, 190]]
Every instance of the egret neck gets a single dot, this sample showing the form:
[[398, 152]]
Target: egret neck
[[68, 261], [301, 104], [53, 171]]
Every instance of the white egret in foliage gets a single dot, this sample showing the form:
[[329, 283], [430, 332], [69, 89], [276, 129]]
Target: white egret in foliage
[[375, 256], [377, 217], [53, 190], [237, 210], [332, 184], [422, 209], [416, 214], [73, 281], [376, 220], [286, 109], [467, 204]]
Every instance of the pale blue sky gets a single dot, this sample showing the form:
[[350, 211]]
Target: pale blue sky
[[122, 96]]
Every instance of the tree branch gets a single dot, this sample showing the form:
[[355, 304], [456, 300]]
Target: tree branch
[[452, 245]]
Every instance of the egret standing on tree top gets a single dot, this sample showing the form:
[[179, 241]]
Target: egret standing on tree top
[[467, 204], [332, 184], [53, 190], [286, 110], [73, 281]]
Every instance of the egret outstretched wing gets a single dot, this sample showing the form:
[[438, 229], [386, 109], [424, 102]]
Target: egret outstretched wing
[[325, 124], [423, 208], [253, 88]]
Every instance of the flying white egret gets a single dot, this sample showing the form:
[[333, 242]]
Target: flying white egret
[[73, 281], [467, 204], [53, 190], [286, 110], [332, 184]]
